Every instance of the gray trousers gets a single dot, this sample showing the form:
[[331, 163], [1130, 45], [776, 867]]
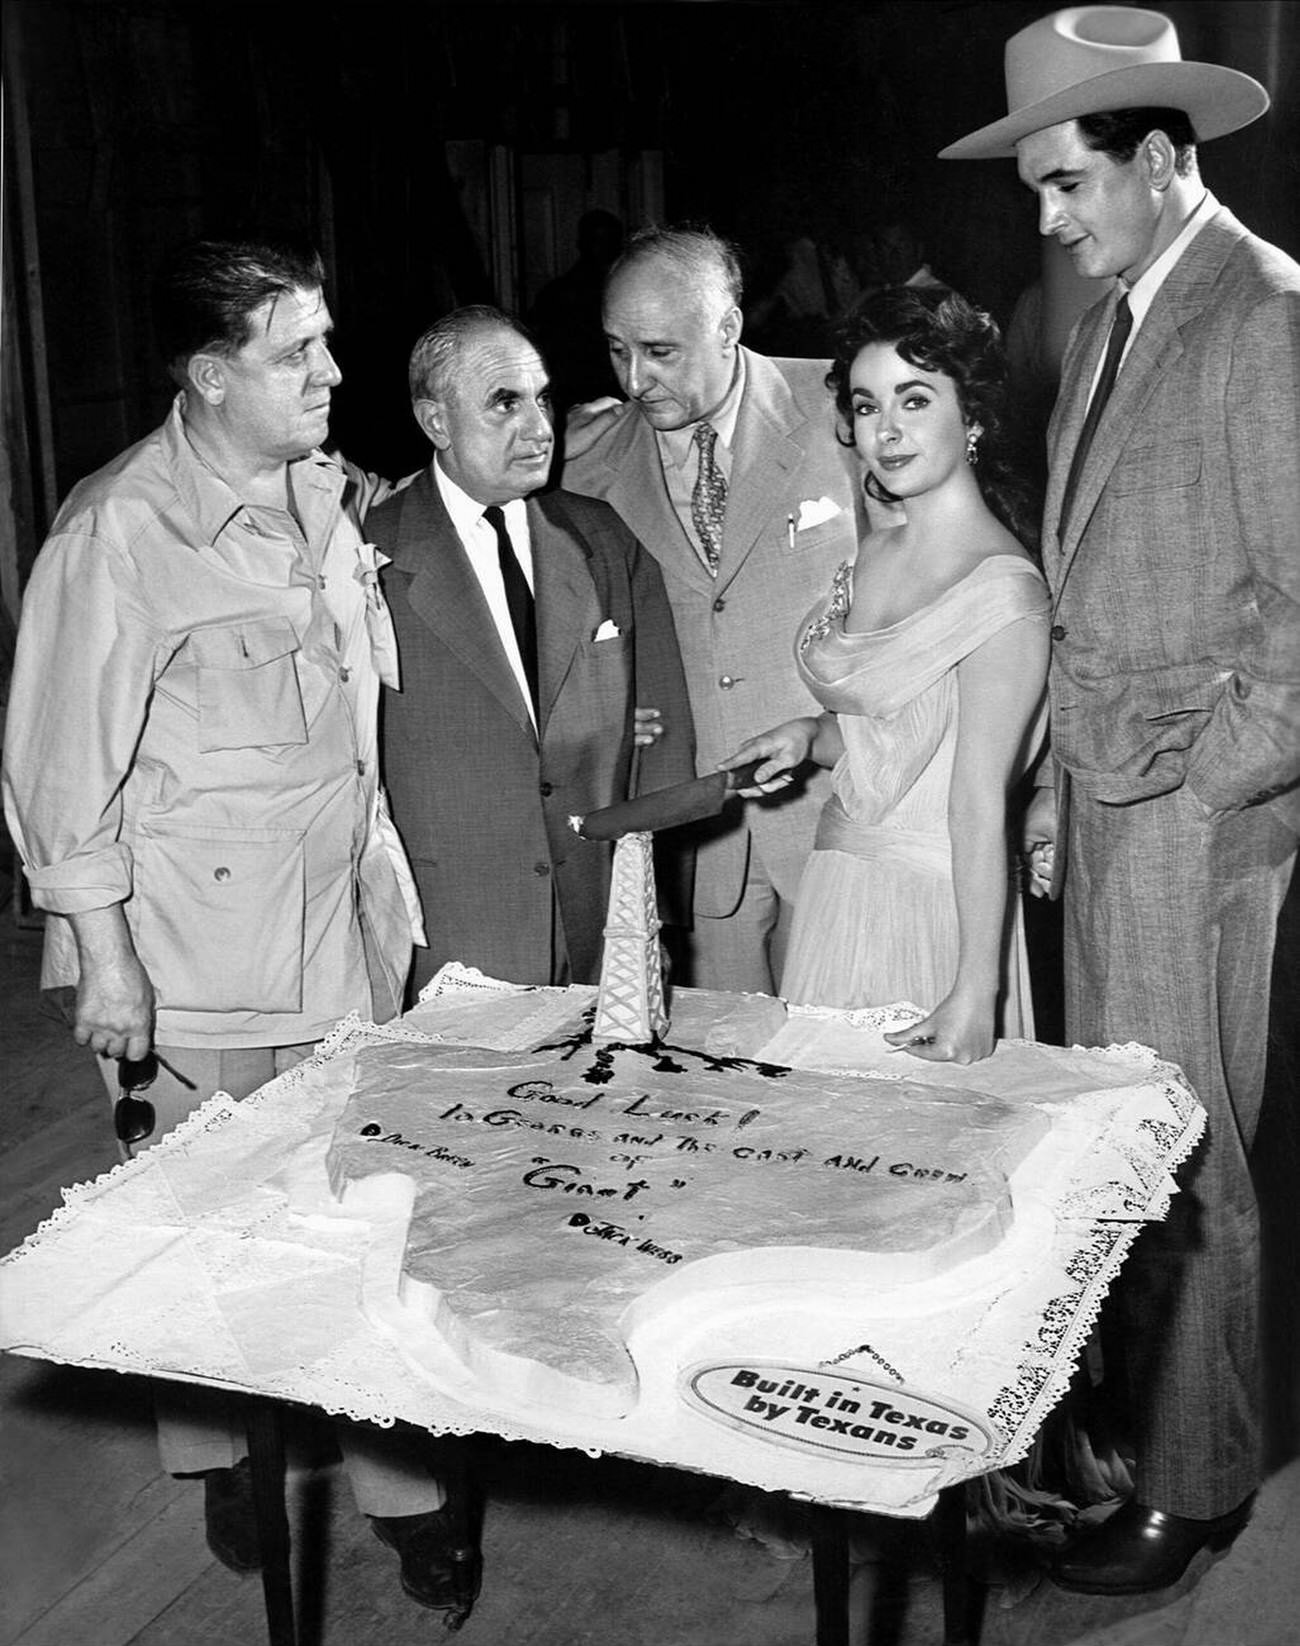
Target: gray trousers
[[1170, 919], [744, 951]]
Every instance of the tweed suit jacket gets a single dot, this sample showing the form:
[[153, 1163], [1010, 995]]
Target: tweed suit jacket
[[1176, 580], [482, 805], [737, 631]]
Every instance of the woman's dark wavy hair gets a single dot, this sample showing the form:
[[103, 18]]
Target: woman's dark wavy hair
[[939, 331]]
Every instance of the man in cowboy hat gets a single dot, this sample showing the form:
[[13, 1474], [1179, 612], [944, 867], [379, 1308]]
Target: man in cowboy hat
[[1170, 541]]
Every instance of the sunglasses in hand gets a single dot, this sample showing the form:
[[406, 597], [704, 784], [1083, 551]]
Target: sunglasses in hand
[[133, 1117]]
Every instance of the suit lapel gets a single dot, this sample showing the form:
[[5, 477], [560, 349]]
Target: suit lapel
[[1155, 349], [445, 594], [766, 453], [638, 494], [565, 599], [1068, 418], [1154, 352]]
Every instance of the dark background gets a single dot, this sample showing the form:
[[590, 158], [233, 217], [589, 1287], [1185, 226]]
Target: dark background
[[440, 154]]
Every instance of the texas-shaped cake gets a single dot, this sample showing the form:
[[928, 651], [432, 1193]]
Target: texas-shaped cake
[[565, 1192]]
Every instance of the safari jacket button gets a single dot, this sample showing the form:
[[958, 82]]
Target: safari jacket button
[[541, 868], [1059, 631], [726, 682], [222, 874], [546, 790]]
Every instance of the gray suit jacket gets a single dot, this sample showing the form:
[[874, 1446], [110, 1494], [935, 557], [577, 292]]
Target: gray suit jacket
[[737, 631], [1176, 584], [482, 806]]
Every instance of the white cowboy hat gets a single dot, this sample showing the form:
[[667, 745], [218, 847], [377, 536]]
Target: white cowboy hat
[[1088, 59]]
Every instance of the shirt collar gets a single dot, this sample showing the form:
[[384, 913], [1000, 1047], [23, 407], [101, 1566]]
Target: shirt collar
[[676, 445], [211, 501], [466, 512], [1141, 294]]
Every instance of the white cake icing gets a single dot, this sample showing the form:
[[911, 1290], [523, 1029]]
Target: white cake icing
[[569, 1197]]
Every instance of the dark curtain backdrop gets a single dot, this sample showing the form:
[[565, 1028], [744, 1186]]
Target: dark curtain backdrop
[[133, 124]]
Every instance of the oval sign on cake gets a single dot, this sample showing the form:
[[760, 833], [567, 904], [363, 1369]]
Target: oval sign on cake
[[806, 1406]]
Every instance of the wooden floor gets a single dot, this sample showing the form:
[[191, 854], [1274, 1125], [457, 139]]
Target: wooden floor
[[98, 1548]]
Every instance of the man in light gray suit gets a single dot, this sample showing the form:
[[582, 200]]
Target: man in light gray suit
[[1172, 545], [725, 465], [528, 627]]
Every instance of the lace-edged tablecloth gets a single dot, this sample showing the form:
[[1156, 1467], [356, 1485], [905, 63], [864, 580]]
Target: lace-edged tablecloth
[[220, 1256]]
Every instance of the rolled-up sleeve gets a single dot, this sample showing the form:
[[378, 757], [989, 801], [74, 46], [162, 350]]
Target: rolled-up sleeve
[[84, 670]]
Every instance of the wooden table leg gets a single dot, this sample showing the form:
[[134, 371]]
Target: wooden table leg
[[266, 1458], [830, 1564], [467, 1553], [948, 1521]]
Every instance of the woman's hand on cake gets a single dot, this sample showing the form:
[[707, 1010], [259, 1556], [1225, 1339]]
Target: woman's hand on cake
[[957, 1031]]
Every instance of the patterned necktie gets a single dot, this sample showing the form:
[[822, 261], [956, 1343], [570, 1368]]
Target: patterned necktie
[[519, 598], [709, 498], [1120, 327]]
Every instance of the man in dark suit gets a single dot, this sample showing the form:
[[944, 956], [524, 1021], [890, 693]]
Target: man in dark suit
[[529, 626], [1170, 543], [726, 466]]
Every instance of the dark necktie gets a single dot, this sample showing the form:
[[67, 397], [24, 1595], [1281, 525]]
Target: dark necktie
[[519, 598], [1120, 327], [709, 497]]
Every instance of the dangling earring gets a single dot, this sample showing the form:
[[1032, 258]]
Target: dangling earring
[[972, 445]]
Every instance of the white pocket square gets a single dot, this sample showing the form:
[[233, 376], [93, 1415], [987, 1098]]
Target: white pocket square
[[608, 630], [814, 510]]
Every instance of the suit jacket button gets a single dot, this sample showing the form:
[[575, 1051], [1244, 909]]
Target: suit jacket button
[[726, 682], [546, 790], [541, 868], [1059, 631], [719, 605]]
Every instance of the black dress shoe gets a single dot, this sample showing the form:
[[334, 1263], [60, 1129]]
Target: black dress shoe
[[441, 1566], [1139, 1549], [229, 1518]]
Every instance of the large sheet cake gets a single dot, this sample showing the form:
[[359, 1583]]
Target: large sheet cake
[[893, 1307], [566, 1195]]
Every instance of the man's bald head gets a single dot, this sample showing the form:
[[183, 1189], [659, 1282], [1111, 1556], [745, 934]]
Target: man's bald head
[[673, 322]]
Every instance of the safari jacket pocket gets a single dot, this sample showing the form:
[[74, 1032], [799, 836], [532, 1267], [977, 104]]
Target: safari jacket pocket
[[220, 916], [247, 686]]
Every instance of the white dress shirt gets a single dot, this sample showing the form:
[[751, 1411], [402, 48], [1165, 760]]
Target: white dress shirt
[[1142, 293], [480, 544]]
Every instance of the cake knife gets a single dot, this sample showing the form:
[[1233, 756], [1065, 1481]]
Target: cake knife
[[666, 808]]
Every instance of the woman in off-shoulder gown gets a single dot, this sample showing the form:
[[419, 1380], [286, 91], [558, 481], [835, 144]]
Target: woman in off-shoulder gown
[[876, 919], [929, 657]]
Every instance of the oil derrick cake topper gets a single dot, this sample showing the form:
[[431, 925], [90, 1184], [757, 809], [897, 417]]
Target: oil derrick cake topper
[[630, 1001], [630, 1005]]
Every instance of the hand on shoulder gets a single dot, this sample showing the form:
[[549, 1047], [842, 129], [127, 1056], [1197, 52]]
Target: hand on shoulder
[[587, 422]]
